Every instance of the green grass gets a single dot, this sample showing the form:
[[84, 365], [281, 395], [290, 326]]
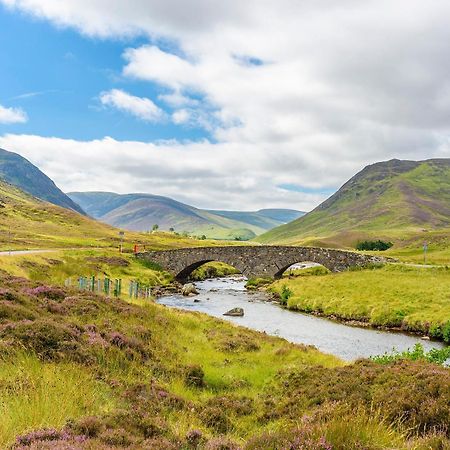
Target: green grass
[[35, 394], [410, 298]]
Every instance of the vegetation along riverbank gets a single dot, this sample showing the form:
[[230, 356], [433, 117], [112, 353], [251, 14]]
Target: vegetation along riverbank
[[396, 297]]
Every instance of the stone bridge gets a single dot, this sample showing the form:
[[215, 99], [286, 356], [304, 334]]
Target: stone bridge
[[255, 261]]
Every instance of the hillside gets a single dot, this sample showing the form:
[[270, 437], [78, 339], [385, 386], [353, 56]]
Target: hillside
[[27, 222], [18, 171], [265, 219], [401, 201], [139, 212]]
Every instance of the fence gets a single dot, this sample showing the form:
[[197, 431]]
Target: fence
[[109, 287]]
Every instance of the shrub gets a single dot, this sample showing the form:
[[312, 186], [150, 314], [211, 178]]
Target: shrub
[[194, 438], [414, 392], [216, 418], [435, 355], [286, 293], [374, 245], [194, 376], [46, 337], [49, 292], [446, 332], [239, 406]]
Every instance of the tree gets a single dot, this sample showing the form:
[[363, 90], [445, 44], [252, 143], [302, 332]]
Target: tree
[[155, 227], [171, 229]]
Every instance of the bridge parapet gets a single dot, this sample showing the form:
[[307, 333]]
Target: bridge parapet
[[256, 261]]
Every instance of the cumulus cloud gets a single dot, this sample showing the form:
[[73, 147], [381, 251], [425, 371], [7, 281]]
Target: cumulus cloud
[[140, 107], [200, 173], [12, 115], [318, 89]]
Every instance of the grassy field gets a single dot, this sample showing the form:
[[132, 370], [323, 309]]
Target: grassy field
[[81, 371], [395, 296]]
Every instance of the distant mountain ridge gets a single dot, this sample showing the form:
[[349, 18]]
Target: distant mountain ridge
[[393, 199], [18, 171], [139, 212]]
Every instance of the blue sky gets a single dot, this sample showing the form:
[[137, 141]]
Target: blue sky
[[56, 76], [227, 105]]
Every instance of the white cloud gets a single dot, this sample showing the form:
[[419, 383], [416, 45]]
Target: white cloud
[[140, 107], [12, 115], [181, 116], [343, 84], [176, 100]]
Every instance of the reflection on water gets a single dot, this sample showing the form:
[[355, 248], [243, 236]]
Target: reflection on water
[[221, 294]]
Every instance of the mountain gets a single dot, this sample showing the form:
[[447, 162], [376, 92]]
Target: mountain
[[264, 219], [139, 212], [27, 222], [18, 171], [394, 200]]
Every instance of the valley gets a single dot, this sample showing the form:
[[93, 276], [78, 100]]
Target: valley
[[143, 212], [131, 372]]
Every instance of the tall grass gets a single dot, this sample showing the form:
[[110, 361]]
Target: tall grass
[[414, 299], [35, 395]]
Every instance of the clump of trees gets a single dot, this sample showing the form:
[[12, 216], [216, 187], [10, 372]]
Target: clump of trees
[[374, 245]]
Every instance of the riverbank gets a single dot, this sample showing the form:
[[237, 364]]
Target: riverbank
[[103, 373], [393, 297]]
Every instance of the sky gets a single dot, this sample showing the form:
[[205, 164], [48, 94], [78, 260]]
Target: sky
[[223, 105]]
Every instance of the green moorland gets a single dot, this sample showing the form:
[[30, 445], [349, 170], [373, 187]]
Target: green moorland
[[82, 371], [406, 202], [29, 223], [394, 296]]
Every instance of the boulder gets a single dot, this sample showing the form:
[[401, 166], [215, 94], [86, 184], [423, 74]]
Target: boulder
[[235, 312], [189, 290]]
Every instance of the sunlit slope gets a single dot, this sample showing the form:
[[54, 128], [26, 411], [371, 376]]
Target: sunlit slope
[[397, 200], [27, 222], [18, 171]]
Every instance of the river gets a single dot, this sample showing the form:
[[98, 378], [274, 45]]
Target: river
[[347, 342]]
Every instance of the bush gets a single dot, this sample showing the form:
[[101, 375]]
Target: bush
[[194, 376], [437, 356], [374, 245], [285, 295], [46, 337]]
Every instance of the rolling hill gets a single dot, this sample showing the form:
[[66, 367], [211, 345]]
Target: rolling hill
[[396, 200], [139, 212], [18, 171], [27, 222]]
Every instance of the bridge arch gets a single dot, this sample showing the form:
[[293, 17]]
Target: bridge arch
[[183, 275], [284, 269]]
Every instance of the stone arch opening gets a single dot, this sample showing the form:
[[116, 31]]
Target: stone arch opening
[[296, 267], [185, 274]]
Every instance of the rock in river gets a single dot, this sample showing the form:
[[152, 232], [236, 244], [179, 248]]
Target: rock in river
[[235, 312], [189, 289]]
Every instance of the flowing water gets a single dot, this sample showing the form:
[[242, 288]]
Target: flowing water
[[347, 342]]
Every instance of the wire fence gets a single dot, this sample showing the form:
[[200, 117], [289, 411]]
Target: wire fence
[[108, 286]]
